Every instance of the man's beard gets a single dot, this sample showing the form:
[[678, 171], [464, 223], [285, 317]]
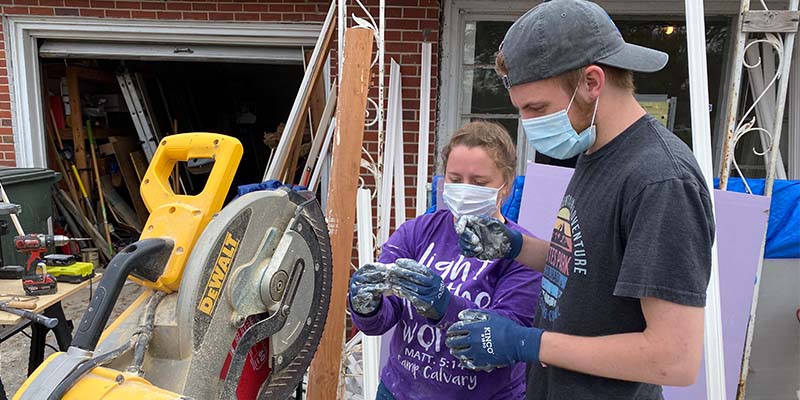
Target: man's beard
[[581, 115]]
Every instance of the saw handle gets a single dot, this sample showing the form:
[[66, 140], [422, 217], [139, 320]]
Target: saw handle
[[37, 318], [224, 150], [142, 254]]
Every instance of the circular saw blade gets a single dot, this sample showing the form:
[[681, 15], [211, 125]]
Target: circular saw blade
[[294, 345], [230, 278]]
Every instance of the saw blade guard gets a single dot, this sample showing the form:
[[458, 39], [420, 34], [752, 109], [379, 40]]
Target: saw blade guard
[[255, 299]]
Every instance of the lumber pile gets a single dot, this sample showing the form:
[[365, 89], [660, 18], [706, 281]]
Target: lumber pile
[[310, 120], [95, 161]]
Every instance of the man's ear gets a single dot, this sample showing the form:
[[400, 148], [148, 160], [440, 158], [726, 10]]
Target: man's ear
[[594, 79]]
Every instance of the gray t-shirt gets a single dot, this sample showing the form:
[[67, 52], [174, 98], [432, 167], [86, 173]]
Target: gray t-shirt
[[636, 221]]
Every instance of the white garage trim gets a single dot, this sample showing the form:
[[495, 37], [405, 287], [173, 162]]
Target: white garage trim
[[195, 52], [22, 35]]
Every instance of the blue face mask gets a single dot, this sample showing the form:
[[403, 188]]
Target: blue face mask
[[554, 136]]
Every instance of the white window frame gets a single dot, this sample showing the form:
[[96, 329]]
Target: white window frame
[[451, 71], [22, 35], [456, 13], [524, 153]]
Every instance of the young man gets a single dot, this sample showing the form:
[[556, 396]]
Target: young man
[[625, 274]]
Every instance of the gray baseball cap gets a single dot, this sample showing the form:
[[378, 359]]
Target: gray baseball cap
[[561, 35]]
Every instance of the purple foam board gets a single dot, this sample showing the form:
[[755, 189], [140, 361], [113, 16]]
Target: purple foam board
[[741, 223], [541, 198]]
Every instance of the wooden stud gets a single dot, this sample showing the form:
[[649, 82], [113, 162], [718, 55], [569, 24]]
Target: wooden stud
[[76, 120], [68, 205], [77, 229], [124, 147], [106, 226], [355, 79], [319, 136], [99, 133], [312, 116], [139, 161], [94, 74], [119, 207], [317, 104], [66, 174], [313, 73]]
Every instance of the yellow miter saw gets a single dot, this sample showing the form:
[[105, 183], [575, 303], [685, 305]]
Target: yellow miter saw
[[234, 300]]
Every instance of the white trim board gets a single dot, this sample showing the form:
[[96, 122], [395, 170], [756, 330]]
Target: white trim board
[[195, 52], [23, 33]]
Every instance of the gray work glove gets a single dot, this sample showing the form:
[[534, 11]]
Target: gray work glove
[[367, 286], [487, 238], [421, 286]]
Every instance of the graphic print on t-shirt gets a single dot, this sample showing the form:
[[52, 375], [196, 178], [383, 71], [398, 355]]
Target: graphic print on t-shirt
[[566, 256], [425, 355]]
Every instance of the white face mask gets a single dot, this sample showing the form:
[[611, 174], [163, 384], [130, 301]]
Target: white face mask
[[465, 199]]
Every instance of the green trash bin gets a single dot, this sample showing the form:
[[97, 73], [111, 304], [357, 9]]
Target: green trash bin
[[31, 189]]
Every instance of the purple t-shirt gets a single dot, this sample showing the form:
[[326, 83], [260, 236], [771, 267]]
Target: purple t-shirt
[[420, 366]]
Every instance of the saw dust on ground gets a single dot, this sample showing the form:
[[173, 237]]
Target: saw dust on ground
[[14, 351]]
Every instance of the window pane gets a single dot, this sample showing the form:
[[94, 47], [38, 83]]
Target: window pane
[[469, 43], [484, 93], [673, 80], [482, 39]]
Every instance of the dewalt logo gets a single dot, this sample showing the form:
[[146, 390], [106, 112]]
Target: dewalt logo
[[218, 275]]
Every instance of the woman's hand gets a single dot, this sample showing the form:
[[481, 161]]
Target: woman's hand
[[366, 288], [419, 285]]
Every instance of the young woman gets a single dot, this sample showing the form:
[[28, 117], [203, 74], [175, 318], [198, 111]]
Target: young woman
[[422, 282]]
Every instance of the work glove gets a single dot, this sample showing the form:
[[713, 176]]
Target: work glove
[[367, 286], [487, 238], [421, 286], [484, 341]]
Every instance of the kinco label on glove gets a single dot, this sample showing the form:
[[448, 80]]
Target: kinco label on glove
[[486, 339]]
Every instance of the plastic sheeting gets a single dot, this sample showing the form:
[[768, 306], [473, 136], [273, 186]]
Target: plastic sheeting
[[270, 184]]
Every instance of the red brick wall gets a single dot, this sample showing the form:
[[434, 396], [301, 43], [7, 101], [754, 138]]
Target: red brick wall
[[408, 22]]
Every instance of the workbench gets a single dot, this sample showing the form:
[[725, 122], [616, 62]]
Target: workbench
[[48, 305]]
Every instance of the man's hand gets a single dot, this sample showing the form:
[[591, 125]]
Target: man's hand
[[419, 285], [366, 288], [487, 238], [485, 341]]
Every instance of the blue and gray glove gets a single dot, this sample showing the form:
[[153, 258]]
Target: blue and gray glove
[[487, 238], [421, 286], [484, 341], [367, 286]]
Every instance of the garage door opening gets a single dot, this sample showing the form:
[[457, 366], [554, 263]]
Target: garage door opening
[[124, 102]]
